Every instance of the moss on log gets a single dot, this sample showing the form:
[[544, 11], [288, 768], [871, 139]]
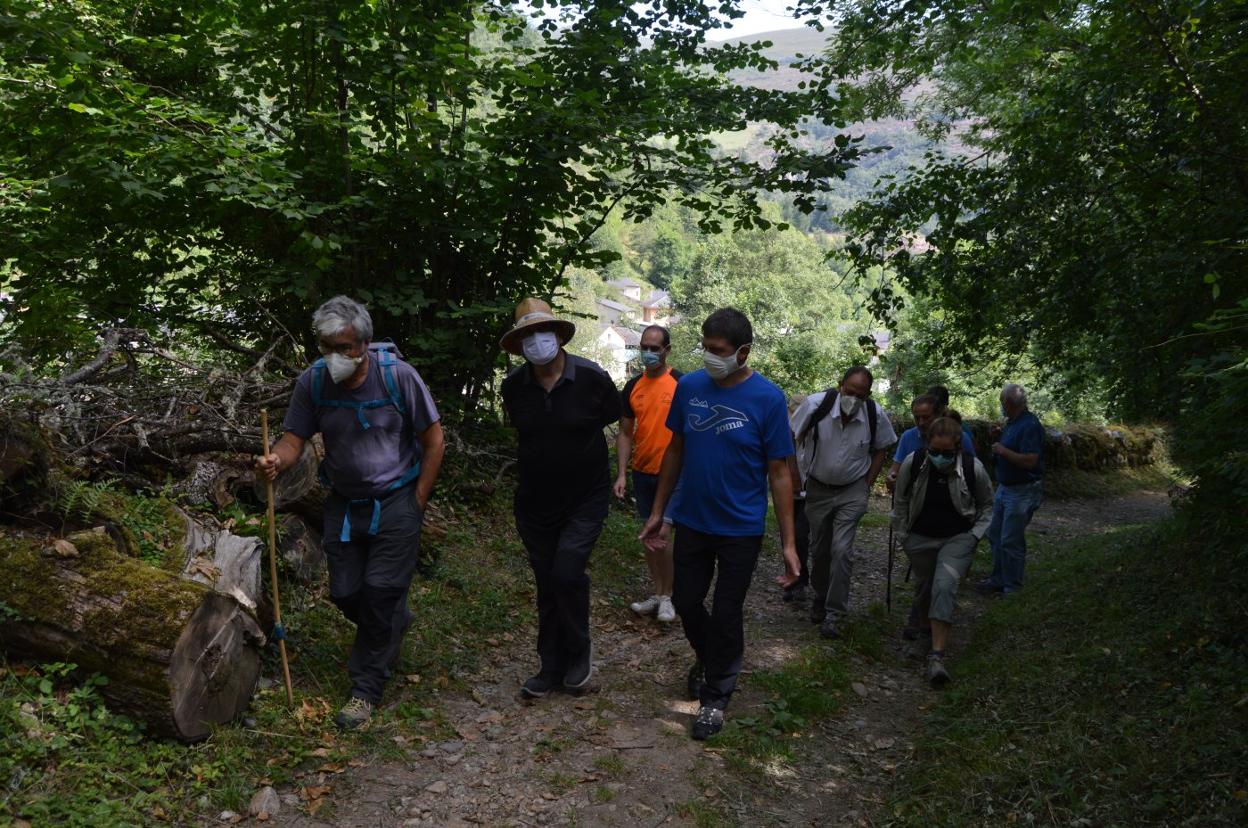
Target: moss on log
[[177, 655]]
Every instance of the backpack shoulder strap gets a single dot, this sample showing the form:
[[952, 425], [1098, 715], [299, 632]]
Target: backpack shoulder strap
[[318, 377], [873, 421], [825, 405], [917, 458], [968, 471], [387, 360]]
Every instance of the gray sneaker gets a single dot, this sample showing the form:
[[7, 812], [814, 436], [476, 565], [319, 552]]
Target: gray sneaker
[[937, 675], [354, 714]]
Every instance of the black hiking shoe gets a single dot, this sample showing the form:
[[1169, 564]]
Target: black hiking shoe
[[937, 675], [710, 721], [577, 677], [694, 681], [828, 628], [818, 611], [988, 586], [538, 686]]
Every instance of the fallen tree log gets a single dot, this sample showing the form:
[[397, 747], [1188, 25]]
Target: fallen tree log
[[178, 655]]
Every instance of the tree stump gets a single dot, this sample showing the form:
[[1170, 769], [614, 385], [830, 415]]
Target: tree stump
[[178, 655], [299, 546]]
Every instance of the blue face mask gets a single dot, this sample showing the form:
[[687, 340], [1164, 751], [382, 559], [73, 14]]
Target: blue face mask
[[941, 463], [649, 359]]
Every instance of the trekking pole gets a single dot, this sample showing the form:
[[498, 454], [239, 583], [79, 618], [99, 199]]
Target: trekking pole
[[278, 632], [888, 588]]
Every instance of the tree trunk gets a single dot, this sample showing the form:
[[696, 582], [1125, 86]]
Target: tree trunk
[[178, 656]]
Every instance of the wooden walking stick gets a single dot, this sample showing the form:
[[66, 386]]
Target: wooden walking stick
[[278, 631]]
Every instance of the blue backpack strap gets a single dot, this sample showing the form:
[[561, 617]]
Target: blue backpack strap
[[318, 374], [387, 360]]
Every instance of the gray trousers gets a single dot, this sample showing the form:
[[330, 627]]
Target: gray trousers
[[833, 513], [941, 563], [369, 577]]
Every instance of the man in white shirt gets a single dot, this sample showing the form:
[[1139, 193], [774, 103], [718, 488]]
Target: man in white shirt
[[846, 434]]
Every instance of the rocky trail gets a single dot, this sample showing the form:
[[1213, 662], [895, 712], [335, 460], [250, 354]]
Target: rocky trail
[[621, 755]]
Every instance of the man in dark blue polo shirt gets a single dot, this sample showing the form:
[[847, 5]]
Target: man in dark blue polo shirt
[[559, 404], [1020, 467]]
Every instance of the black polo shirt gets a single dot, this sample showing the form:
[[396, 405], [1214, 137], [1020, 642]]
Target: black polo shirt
[[562, 450]]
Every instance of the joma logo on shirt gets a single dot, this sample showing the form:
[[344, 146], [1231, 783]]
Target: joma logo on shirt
[[722, 418]]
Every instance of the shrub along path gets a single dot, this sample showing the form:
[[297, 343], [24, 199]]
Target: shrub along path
[[816, 734]]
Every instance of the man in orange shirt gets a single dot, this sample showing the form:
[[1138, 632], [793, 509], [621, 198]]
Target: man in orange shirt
[[643, 439]]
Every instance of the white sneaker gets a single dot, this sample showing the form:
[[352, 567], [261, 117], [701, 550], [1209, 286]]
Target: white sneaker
[[646, 607], [667, 613]]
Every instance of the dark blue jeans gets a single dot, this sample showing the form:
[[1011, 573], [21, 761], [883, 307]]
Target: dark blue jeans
[[718, 636], [369, 578], [1012, 509]]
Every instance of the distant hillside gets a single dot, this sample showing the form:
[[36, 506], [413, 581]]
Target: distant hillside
[[904, 144]]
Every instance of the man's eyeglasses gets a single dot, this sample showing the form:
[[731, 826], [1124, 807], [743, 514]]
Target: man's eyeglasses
[[344, 349], [653, 349]]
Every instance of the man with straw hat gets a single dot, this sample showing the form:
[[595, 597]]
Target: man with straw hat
[[559, 405], [383, 451]]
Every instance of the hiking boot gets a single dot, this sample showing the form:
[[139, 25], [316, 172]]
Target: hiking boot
[[538, 686], [988, 586], [710, 721], [354, 714], [795, 594], [937, 675], [646, 607], [667, 612], [579, 673], [818, 612], [694, 681], [828, 628]]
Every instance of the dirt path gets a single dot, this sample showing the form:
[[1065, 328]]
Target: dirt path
[[622, 755]]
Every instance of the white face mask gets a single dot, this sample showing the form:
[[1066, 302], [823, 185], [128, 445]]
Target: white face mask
[[721, 367], [849, 405], [540, 348], [341, 366]]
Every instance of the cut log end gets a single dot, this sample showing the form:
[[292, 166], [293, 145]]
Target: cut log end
[[214, 668]]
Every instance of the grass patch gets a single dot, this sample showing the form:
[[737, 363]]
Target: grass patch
[[703, 814], [1114, 690], [610, 764], [1075, 484]]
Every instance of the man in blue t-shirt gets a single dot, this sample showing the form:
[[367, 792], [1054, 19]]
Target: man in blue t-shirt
[[1020, 467], [730, 439]]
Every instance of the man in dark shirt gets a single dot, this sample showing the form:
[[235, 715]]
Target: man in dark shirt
[[559, 405], [1020, 468]]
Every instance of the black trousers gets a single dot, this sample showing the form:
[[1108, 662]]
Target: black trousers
[[559, 555], [369, 577], [801, 528], [718, 636]]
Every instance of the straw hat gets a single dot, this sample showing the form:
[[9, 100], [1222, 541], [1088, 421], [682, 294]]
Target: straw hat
[[529, 314]]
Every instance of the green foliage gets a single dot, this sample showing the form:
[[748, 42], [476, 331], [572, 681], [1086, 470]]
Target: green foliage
[[1089, 212], [146, 523], [807, 322], [231, 164], [1118, 667]]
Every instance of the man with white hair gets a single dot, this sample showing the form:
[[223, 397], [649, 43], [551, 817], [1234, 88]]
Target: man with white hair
[[383, 451], [1019, 451]]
